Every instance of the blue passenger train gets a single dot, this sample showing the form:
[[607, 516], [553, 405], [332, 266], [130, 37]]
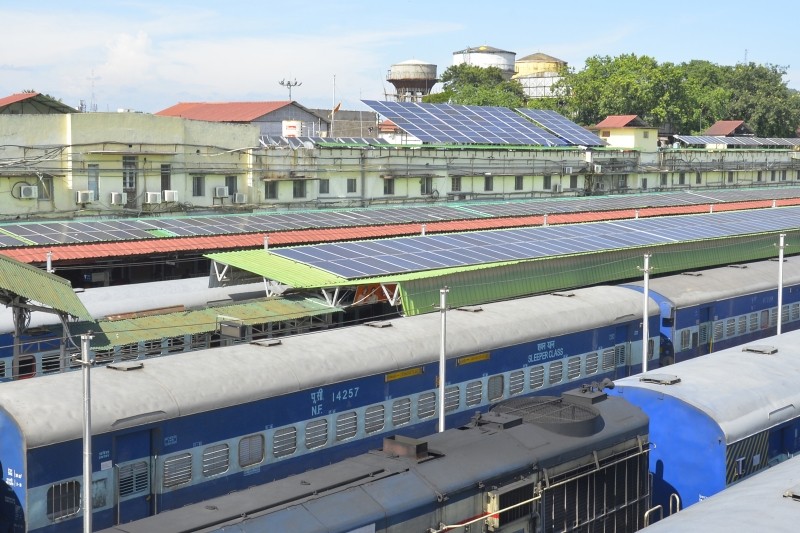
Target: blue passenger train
[[175, 430]]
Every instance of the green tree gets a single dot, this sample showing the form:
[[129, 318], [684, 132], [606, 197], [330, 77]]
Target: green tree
[[472, 85]]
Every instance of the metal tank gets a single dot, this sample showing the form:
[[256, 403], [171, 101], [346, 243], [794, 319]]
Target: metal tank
[[487, 56], [412, 80]]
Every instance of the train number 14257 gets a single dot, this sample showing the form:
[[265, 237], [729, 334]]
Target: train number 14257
[[344, 394]]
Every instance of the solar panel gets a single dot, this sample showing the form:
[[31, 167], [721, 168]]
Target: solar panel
[[560, 126], [410, 254], [445, 123]]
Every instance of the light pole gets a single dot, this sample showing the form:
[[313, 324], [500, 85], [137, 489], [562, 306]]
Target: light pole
[[289, 84]]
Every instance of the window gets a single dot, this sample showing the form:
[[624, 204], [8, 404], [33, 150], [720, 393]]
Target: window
[[270, 190], [166, 177], [426, 185], [451, 398], [518, 181], [605, 133], [129, 171], [556, 372], [316, 433], [93, 180], [573, 367], [797, 174], [374, 418], [495, 388], [388, 186], [645, 134], [133, 478], [783, 175], [663, 180], [730, 177], [516, 382], [474, 393], [346, 425], [230, 183], [352, 185], [284, 442], [682, 178], [178, 470], [698, 178], [216, 460], [771, 175], [426, 405], [591, 364], [298, 189], [573, 182], [759, 176], [455, 183], [45, 188], [537, 377], [488, 183], [324, 186], [401, 412], [198, 185], [608, 359], [63, 500], [251, 450], [547, 181]]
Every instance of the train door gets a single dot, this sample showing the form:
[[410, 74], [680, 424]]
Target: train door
[[701, 338], [622, 350], [132, 465]]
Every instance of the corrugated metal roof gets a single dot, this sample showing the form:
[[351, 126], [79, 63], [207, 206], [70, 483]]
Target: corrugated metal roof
[[37, 98], [621, 121], [724, 127], [154, 327], [264, 264], [222, 111], [41, 287]]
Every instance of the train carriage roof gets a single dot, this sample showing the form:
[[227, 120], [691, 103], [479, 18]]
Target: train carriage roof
[[194, 382]]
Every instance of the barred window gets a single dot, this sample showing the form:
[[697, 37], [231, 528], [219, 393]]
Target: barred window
[[516, 382], [133, 478], [795, 309], [495, 388], [346, 425], [556, 372], [686, 339], [426, 405], [284, 441], [316, 433], [591, 364], [573, 367], [474, 393], [730, 327], [537, 377], [608, 359], [63, 500], [251, 450], [753, 321], [621, 354], [401, 412], [374, 418], [451, 398], [51, 363], [216, 460], [178, 470], [742, 325]]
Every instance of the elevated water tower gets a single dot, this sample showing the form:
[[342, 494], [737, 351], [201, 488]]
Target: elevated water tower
[[487, 56], [412, 80]]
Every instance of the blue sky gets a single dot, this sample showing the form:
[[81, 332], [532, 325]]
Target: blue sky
[[147, 56]]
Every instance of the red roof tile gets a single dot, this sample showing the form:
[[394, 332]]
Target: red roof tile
[[17, 97], [222, 111], [619, 121], [724, 127]]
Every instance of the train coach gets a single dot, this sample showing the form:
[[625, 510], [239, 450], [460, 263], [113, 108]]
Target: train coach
[[174, 430], [720, 418], [578, 462]]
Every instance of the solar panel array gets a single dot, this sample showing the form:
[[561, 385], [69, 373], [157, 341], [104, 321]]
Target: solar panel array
[[16, 234], [445, 123], [310, 142], [767, 142], [412, 254], [560, 126]]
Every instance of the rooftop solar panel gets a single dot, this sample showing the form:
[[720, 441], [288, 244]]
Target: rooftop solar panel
[[562, 127]]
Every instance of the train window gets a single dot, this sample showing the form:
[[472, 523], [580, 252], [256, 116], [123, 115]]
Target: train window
[[474, 393], [251, 450], [129, 351], [753, 321], [730, 327], [591, 364], [316, 433], [346, 426], [198, 341], [401, 412], [284, 442], [556, 372], [651, 344], [773, 318], [63, 500], [765, 318], [178, 470], [785, 314], [152, 348], [537, 377], [718, 330], [26, 366], [686, 339], [608, 359], [133, 478], [51, 363], [216, 460], [175, 344], [374, 418], [620, 354], [795, 311], [573, 367], [103, 356], [426, 405], [99, 492], [516, 382], [494, 388], [451, 398], [742, 329], [2, 369]]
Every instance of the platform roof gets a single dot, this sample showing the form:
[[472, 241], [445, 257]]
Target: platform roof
[[19, 279]]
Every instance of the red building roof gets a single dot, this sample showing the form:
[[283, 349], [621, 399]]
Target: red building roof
[[223, 111], [17, 97], [724, 128], [622, 121]]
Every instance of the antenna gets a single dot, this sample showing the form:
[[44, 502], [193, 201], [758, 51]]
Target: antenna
[[92, 102], [745, 56], [289, 84]]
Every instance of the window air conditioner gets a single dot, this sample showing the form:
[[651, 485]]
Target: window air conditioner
[[28, 192], [119, 198], [152, 198], [598, 169], [240, 198], [220, 192], [170, 196], [567, 170], [84, 197], [557, 187]]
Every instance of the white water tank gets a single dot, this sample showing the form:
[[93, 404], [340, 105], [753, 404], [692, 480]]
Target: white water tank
[[487, 56], [412, 79]]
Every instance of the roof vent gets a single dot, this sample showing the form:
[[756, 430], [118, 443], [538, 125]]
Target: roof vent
[[737, 266], [693, 274], [267, 342], [406, 447], [470, 308], [379, 324], [793, 493], [660, 379], [567, 294], [760, 348], [125, 366]]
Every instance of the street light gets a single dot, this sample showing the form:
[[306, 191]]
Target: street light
[[289, 84]]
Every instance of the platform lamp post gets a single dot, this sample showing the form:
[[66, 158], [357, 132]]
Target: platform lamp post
[[780, 281], [86, 364], [646, 315], [442, 353], [289, 84]]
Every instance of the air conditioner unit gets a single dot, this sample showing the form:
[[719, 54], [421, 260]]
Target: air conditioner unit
[[598, 169], [239, 198], [170, 196], [220, 192], [119, 198], [84, 197], [28, 192], [567, 170], [152, 198], [557, 187]]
